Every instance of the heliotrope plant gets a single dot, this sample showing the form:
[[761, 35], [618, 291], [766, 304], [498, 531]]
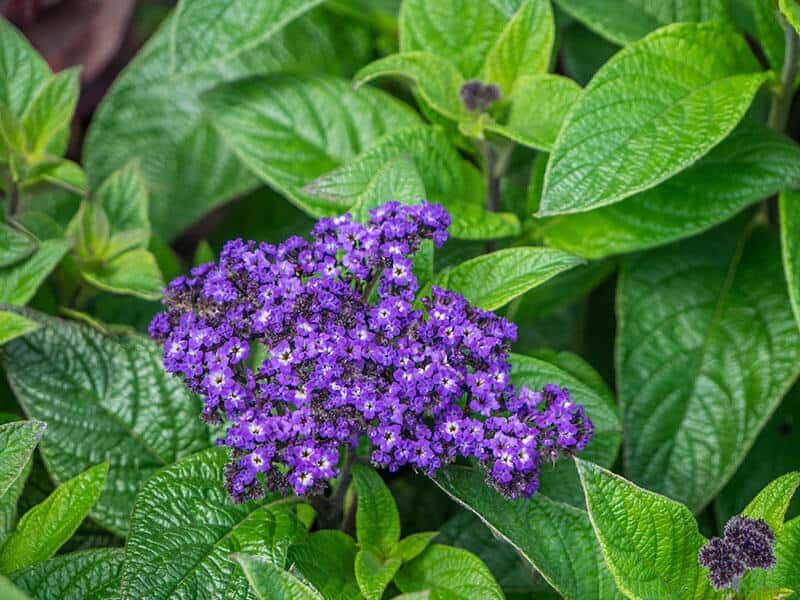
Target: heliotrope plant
[[348, 353]]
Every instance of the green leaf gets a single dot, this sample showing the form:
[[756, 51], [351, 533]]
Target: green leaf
[[682, 107], [377, 519], [412, 546], [86, 575], [463, 31], [786, 572], [17, 442], [583, 52], [398, 179], [448, 180], [449, 572], [46, 120], [19, 282], [624, 21], [770, 32], [538, 107], [326, 559], [791, 10], [14, 245], [203, 253], [556, 538], [649, 542], [775, 452], [493, 280], [123, 198], [752, 163], [68, 176], [13, 326], [289, 130], [135, 272], [523, 47], [437, 80], [188, 168], [9, 591], [374, 573], [772, 502], [789, 205], [770, 594], [22, 71], [104, 398], [706, 348], [45, 527], [269, 582], [183, 517]]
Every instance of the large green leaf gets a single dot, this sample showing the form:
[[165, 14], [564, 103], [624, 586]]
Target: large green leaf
[[706, 348], [17, 442], [772, 502], [13, 325], [538, 108], [523, 48], [11, 592], [326, 559], [448, 179], [556, 538], [649, 542], [775, 452], [135, 272], [624, 21], [104, 398], [463, 31], [86, 575], [184, 518], [45, 527], [153, 111], [14, 245], [46, 120], [19, 282], [374, 572], [493, 280], [752, 163], [270, 582], [123, 198], [377, 519], [289, 130], [789, 203], [449, 572], [655, 108], [22, 71]]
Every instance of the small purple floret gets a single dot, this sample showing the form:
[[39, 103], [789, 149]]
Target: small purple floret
[[424, 385], [747, 544]]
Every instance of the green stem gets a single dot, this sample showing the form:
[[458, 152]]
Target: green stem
[[782, 102]]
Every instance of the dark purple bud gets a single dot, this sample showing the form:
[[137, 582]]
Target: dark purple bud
[[755, 541], [723, 563], [477, 96]]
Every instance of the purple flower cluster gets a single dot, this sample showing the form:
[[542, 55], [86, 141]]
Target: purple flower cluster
[[748, 544], [308, 346]]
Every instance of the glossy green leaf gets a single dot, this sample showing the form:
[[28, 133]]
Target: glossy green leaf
[[789, 203], [398, 180], [135, 272], [86, 575], [772, 502], [13, 325], [289, 130], [775, 452], [45, 527], [448, 180], [770, 32], [412, 546], [123, 197], [770, 594], [377, 519], [22, 71], [19, 282], [556, 538], [188, 168], [374, 573], [9, 591], [326, 559], [17, 442], [649, 542], [706, 348], [538, 107], [654, 109], [183, 517], [752, 163], [437, 80], [448, 572], [47, 118], [14, 245], [104, 398], [624, 21], [523, 47], [462, 31], [786, 572], [493, 280], [270, 582]]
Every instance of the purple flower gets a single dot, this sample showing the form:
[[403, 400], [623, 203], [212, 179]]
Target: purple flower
[[344, 353], [747, 544]]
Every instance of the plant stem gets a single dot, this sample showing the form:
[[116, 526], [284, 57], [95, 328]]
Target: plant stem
[[782, 102], [330, 509], [492, 180]]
